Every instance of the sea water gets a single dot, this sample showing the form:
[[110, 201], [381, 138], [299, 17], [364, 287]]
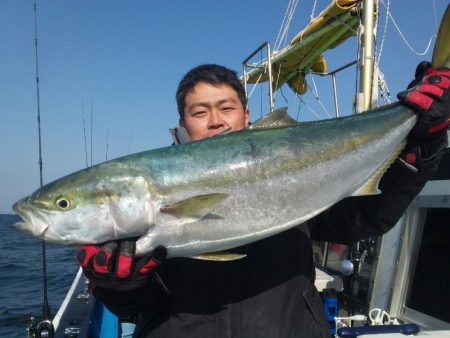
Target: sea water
[[21, 277]]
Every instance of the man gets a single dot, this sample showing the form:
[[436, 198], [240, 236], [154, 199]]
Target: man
[[270, 292], [211, 106]]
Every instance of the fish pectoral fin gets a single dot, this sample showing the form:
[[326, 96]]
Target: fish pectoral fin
[[371, 186], [195, 208], [221, 256]]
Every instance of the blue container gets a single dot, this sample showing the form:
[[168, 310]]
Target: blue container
[[330, 304]]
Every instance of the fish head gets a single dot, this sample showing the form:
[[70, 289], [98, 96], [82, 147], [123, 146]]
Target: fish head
[[88, 207]]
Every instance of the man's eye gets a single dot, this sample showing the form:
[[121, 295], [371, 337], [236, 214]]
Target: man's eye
[[199, 114], [227, 109]]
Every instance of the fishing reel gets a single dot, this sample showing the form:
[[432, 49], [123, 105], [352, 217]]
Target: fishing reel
[[357, 256], [351, 267], [42, 329]]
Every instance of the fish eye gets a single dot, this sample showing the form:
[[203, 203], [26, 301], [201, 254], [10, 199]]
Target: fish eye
[[63, 203]]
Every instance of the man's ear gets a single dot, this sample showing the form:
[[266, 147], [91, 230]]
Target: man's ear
[[247, 117], [181, 123]]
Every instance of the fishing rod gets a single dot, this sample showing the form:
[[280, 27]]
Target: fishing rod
[[45, 327], [84, 134], [92, 125], [107, 144]]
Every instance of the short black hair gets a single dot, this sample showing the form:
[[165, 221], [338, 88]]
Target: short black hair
[[213, 74]]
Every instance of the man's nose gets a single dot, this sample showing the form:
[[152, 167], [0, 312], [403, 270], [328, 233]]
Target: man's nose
[[215, 120]]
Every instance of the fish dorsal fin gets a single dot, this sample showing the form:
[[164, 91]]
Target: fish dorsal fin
[[221, 256], [371, 185], [277, 118], [194, 208], [441, 53]]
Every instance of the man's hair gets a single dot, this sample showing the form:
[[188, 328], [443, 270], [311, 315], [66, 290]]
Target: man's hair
[[213, 74]]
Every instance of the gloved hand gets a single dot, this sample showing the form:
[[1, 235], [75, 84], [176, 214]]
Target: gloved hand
[[429, 95], [114, 266]]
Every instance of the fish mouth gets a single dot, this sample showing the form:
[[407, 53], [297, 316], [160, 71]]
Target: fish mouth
[[33, 221], [26, 227]]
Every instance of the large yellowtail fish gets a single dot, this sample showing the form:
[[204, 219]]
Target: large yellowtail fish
[[221, 192], [225, 191]]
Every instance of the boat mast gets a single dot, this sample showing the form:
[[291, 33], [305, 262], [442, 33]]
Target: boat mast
[[365, 101]]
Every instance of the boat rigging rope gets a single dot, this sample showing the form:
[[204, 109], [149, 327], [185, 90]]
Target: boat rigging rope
[[382, 85], [308, 107], [284, 97], [386, 20], [381, 81], [299, 107], [257, 81], [276, 83], [300, 100], [315, 93], [284, 28], [311, 17], [281, 36], [435, 16], [404, 39]]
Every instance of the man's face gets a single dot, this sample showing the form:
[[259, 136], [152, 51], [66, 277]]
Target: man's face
[[210, 110]]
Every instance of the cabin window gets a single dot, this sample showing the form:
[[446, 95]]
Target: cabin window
[[430, 277]]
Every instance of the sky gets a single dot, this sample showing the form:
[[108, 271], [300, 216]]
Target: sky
[[122, 61]]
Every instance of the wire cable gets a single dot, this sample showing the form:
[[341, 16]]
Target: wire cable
[[282, 34], [411, 48], [316, 95]]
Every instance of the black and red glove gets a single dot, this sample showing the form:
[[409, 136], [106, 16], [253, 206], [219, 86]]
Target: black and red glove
[[114, 266], [429, 95]]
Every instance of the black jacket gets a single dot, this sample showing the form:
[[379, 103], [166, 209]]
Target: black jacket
[[270, 292]]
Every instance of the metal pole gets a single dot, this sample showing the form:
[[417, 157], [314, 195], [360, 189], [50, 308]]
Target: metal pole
[[269, 61], [333, 78], [336, 105], [367, 57], [244, 72], [269, 70]]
